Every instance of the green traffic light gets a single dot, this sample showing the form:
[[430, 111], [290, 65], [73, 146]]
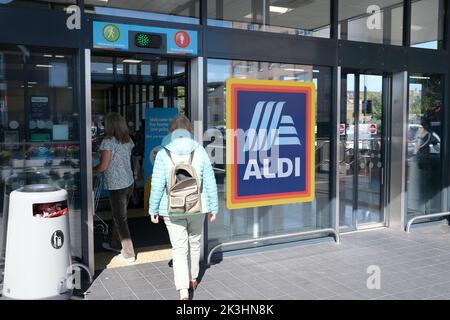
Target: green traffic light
[[143, 40]]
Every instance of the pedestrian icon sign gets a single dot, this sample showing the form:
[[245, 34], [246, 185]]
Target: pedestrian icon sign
[[111, 33]]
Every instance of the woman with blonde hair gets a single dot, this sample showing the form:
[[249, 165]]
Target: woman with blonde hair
[[185, 229], [115, 163]]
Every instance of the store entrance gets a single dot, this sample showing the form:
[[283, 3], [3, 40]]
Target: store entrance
[[362, 147], [130, 85]]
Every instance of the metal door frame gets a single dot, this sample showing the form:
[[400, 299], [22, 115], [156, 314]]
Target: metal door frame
[[194, 104]]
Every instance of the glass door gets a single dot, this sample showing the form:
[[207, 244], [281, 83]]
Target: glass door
[[362, 150]]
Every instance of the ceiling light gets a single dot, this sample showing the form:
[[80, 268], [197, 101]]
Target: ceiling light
[[420, 78], [48, 55], [280, 10], [59, 56], [44, 65], [131, 61], [295, 70], [32, 82]]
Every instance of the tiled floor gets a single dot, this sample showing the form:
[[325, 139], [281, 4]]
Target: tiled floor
[[412, 266]]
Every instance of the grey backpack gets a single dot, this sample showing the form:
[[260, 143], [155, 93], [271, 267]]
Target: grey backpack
[[183, 188]]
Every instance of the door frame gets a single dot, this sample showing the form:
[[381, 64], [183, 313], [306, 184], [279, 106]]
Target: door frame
[[194, 107], [385, 136]]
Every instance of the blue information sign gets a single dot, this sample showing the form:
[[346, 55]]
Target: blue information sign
[[157, 122], [126, 37]]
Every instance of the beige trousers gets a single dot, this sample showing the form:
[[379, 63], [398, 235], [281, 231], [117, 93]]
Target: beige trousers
[[185, 236]]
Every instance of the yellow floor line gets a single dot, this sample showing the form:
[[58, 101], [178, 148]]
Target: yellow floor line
[[109, 260]]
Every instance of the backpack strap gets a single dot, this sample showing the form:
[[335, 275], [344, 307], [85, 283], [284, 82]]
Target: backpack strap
[[169, 155], [191, 156]]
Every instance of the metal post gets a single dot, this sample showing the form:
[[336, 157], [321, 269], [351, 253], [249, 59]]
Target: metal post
[[87, 187], [276, 237], [425, 216]]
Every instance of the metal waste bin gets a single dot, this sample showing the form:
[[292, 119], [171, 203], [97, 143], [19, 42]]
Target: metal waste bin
[[38, 255]]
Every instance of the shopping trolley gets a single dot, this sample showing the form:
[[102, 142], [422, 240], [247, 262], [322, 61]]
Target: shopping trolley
[[100, 226]]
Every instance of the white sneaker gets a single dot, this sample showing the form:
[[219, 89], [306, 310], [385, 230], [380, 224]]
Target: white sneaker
[[184, 294], [128, 260], [107, 246]]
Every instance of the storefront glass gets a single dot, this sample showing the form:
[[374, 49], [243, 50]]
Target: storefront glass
[[425, 138], [371, 21], [43, 4], [183, 11], [305, 18], [40, 126], [257, 222], [427, 24]]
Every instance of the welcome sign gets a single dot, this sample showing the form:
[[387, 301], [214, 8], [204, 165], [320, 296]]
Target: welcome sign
[[271, 151]]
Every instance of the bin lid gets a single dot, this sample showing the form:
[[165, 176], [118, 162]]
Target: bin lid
[[21, 179], [38, 188]]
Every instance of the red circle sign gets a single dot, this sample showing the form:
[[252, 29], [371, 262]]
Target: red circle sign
[[342, 129], [373, 129], [182, 39]]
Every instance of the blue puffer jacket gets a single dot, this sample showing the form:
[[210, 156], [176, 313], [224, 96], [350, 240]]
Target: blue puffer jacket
[[180, 143]]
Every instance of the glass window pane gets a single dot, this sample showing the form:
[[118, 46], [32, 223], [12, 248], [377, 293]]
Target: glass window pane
[[371, 21], [183, 11], [43, 4], [424, 166], [179, 67], [256, 222], [100, 64], [39, 127], [427, 24], [306, 18]]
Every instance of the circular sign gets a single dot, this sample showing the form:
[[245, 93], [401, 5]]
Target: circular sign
[[373, 129], [13, 125], [182, 39], [342, 129], [57, 239], [111, 33]]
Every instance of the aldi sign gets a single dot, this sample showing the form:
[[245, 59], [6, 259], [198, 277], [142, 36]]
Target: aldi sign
[[271, 148]]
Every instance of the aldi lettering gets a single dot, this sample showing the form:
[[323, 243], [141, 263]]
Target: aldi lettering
[[273, 162]]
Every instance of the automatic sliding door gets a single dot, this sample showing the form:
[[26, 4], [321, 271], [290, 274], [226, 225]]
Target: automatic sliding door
[[347, 153], [361, 173], [369, 151]]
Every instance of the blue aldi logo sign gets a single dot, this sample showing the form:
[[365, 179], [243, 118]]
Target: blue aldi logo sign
[[271, 148]]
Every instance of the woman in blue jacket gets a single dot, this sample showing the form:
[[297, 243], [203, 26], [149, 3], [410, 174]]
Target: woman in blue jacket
[[185, 231]]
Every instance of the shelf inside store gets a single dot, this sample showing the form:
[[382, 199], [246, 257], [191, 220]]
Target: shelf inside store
[[62, 142]]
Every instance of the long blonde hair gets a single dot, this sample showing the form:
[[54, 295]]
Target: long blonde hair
[[115, 126]]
